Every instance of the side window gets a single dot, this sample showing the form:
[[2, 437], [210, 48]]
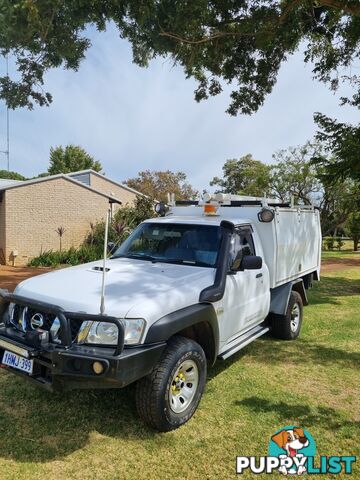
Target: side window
[[247, 243], [235, 247], [242, 242]]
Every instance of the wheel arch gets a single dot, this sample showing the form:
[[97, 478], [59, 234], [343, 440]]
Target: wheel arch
[[280, 296], [198, 322]]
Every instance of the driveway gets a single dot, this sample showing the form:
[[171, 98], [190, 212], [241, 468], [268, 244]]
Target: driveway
[[11, 276]]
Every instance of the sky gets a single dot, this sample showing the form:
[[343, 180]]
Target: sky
[[133, 118]]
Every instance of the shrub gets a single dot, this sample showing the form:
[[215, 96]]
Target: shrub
[[47, 259], [339, 242], [73, 256], [123, 223], [328, 243]]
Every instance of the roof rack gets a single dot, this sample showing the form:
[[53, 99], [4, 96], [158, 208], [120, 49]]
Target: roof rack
[[247, 203], [180, 203], [241, 203], [231, 200]]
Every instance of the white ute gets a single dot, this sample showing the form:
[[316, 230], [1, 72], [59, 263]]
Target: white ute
[[194, 285]]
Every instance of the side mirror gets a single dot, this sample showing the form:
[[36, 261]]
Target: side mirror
[[111, 247], [251, 262]]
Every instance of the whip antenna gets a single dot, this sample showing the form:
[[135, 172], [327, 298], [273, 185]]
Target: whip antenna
[[102, 302]]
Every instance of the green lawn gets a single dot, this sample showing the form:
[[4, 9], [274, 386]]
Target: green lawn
[[312, 382], [347, 250]]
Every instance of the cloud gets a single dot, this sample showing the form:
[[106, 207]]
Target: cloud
[[132, 118]]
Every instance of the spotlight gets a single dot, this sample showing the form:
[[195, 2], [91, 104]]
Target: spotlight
[[161, 209], [266, 215]]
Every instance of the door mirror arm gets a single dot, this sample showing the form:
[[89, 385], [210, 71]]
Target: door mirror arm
[[111, 247], [236, 264]]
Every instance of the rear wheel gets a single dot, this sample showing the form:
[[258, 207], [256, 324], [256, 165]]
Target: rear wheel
[[170, 394], [288, 326]]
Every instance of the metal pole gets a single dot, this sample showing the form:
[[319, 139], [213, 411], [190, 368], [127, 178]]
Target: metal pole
[[7, 122], [7, 151]]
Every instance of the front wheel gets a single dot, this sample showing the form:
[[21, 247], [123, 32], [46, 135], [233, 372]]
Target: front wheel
[[170, 394], [288, 326]]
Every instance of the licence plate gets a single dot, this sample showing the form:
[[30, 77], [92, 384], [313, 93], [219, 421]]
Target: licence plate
[[16, 361]]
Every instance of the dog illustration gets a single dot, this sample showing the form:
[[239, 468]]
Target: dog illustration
[[291, 441]]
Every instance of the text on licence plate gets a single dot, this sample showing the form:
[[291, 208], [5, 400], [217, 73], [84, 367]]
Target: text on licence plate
[[16, 361]]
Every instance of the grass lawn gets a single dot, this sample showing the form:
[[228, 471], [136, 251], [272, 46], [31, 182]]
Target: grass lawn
[[312, 382]]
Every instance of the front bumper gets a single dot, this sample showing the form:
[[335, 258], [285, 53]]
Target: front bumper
[[68, 365], [58, 369]]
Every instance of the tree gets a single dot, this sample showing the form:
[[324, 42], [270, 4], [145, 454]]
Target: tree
[[338, 201], [353, 226], [71, 159], [241, 43], [11, 175], [294, 175], [60, 231], [342, 141], [157, 184], [245, 176]]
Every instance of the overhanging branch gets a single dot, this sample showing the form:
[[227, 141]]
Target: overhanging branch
[[352, 8]]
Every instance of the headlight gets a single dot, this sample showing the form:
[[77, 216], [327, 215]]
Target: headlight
[[133, 330], [104, 333]]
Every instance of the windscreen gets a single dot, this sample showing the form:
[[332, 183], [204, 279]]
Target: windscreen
[[173, 243]]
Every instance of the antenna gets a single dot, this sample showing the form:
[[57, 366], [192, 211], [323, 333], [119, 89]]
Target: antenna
[[102, 301], [7, 151]]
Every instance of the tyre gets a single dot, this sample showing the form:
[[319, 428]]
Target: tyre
[[288, 326], [170, 394]]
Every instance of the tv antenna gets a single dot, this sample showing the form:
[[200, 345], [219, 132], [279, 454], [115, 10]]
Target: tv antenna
[[7, 151]]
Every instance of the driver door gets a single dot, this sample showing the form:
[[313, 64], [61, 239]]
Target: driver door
[[245, 300]]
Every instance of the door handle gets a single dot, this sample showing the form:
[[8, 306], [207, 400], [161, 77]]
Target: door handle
[[259, 275]]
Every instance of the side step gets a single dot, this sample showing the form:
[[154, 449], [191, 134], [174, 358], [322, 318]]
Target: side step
[[244, 340]]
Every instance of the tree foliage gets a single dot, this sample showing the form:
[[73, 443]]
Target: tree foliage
[[293, 175], [242, 43], [338, 201], [353, 227], [245, 176], [11, 175], [341, 141], [157, 184], [124, 221], [71, 159]]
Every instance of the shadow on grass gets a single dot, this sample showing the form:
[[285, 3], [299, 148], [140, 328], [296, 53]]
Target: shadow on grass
[[39, 426], [298, 414], [332, 287], [270, 351]]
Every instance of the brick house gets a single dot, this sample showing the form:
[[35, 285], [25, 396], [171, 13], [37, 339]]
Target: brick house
[[32, 210]]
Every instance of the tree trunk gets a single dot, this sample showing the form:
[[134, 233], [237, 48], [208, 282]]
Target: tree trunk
[[356, 243]]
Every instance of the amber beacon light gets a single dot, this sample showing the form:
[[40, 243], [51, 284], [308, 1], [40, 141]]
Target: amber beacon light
[[210, 209]]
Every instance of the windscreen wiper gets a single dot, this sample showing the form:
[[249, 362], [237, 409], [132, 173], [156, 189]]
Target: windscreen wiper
[[179, 261], [138, 256]]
